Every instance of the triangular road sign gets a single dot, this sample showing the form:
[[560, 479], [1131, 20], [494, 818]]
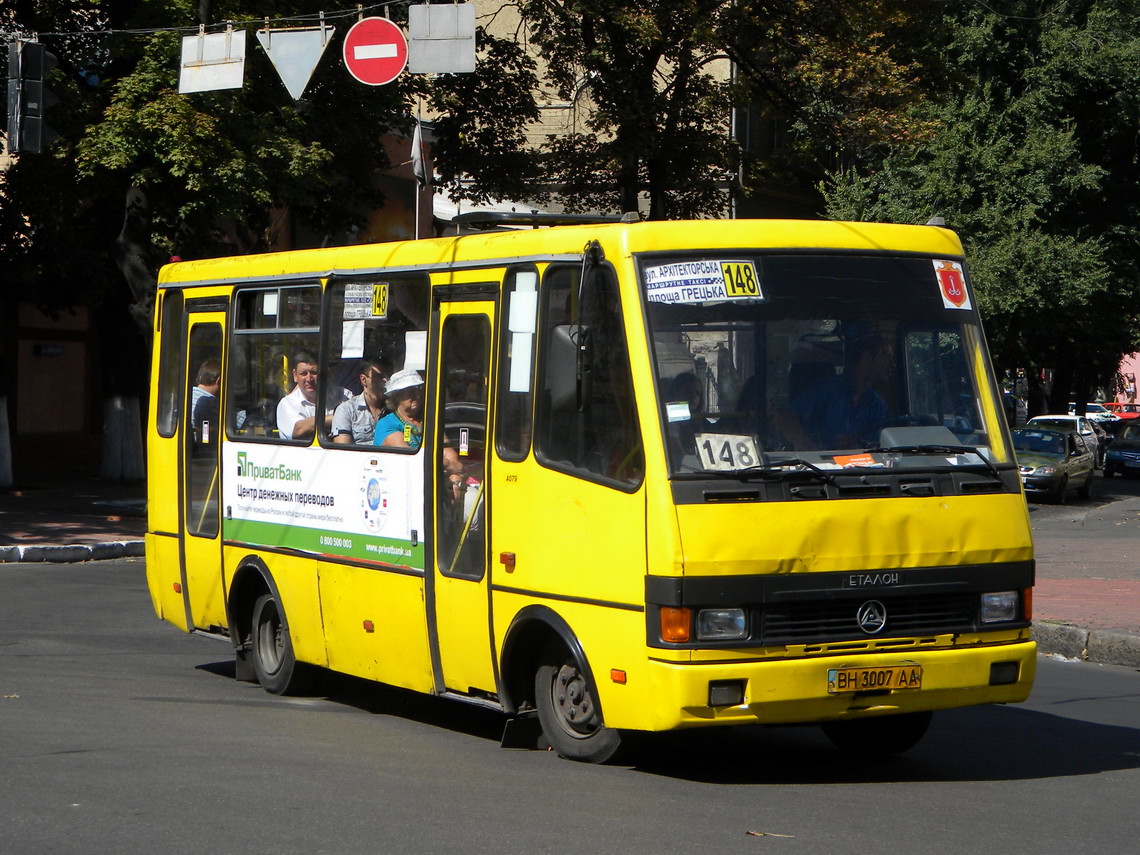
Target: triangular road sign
[[295, 53]]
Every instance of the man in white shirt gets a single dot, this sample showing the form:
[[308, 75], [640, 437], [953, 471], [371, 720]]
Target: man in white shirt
[[297, 411]]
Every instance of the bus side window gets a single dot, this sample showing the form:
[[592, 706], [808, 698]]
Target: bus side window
[[601, 441], [170, 363], [373, 328], [272, 328]]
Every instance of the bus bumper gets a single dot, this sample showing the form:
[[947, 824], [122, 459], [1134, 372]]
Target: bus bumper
[[694, 694]]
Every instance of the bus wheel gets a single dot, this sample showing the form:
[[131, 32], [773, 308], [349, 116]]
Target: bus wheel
[[276, 667], [568, 712], [881, 736]]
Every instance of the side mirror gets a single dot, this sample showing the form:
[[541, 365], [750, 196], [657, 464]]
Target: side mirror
[[569, 374]]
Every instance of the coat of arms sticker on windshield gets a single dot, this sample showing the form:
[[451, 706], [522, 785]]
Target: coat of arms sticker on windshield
[[702, 282], [952, 284]]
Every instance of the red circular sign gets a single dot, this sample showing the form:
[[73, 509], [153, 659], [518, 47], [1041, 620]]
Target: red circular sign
[[375, 51]]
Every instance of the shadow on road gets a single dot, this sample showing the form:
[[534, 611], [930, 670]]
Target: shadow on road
[[976, 744], [992, 743]]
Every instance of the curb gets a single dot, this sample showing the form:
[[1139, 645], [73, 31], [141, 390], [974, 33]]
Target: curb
[[73, 553], [1106, 646]]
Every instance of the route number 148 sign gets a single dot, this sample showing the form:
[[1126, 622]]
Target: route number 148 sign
[[726, 452]]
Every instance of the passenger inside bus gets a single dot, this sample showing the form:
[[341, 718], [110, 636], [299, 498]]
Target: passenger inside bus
[[204, 399], [841, 410], [297, 411], [403, 426], [354, 421]]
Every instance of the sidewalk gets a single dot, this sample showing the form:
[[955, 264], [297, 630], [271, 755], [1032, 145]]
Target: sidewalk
[[1086, 603], [72, 519]]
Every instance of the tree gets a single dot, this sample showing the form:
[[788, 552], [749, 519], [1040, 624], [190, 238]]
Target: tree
[[653, 84], [1033, 163], [141, 173], [656, 118], [836, 76]]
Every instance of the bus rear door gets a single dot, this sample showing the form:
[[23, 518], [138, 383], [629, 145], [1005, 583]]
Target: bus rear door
[[201, 551]]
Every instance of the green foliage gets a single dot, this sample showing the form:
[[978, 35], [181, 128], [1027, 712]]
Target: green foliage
[[481, 150], [654, 116], [836, 78], [1034, 164]]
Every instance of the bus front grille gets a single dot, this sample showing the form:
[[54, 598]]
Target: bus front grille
[[833, 620]]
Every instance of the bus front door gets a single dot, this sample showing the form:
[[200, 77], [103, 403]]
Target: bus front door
[[458, 601], [201, 550]]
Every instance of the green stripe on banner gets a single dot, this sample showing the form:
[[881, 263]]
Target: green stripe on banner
[[327, 542]]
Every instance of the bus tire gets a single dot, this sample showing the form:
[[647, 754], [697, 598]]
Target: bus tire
[[276, 667], [878, 737], [568, 711]]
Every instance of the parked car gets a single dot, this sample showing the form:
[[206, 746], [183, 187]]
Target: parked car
[[1123, 410], [1053, 462], [1095, 412], [1123, 455], [1092, 433]]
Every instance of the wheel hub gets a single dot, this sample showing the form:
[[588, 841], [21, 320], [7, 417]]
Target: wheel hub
[[573, 702]]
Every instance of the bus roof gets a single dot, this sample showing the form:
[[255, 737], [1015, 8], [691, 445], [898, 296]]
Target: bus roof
[[569, 240]]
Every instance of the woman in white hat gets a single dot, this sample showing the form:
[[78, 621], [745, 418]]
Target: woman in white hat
[[403, 427]]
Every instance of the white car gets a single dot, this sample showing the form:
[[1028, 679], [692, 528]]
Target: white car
[[1076, 424], [1096, 412]]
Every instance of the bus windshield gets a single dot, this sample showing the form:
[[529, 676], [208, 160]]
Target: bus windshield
[[773, 362]]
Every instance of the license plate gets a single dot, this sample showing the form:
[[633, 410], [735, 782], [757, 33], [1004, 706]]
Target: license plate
[[888, 677]]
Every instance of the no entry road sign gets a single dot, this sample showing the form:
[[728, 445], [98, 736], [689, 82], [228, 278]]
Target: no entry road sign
[[375, 51]]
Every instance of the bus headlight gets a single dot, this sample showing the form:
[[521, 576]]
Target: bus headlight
[[1000, 606], [721, 624]]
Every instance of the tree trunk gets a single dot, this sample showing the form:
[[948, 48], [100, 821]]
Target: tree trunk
[[1062, 388], [122, 432], [1036, 403], [134, 257], [5, 446]]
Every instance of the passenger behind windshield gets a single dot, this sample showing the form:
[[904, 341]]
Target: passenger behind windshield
[[841, 410], [686, 398]]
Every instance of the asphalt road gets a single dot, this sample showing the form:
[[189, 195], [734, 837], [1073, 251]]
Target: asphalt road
[[120, 734], [1095, 538]]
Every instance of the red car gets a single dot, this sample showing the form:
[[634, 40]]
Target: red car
[[1123, 411]]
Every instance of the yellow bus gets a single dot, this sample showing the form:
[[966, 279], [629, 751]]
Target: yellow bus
[[644, 476]]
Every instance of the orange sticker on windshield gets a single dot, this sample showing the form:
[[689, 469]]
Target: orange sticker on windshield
[[846, 460], [952, 284]]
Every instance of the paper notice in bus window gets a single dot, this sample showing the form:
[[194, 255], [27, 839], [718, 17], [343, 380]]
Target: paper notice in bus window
[[702, 282], [521, 349], [415, 349], [524, 310], [352, 340]]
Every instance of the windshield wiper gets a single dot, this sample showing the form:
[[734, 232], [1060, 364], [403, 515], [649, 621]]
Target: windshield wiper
[[771, 467], [939, 449]]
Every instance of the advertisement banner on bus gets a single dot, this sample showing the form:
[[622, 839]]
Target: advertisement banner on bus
[[351, 504]]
